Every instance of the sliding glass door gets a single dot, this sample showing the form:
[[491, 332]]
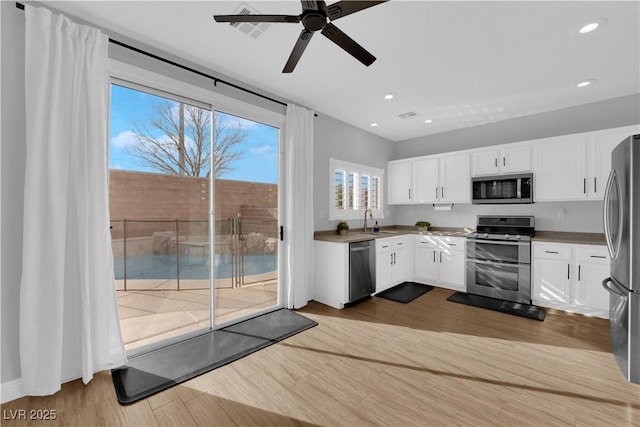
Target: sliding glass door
[[246, 218], [194, 205]]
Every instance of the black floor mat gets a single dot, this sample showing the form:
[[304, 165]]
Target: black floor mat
[[160, 369], [405, 292], [508, 307]]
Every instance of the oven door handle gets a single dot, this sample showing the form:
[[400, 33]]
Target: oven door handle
[[482, 261], [498, 242]]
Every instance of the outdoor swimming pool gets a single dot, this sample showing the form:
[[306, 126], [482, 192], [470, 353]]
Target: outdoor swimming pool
[[165, 266]]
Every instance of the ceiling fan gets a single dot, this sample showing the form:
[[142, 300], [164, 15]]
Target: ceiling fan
[[315, 16]]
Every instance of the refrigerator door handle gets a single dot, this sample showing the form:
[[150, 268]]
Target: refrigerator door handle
[[615, 289], [607, 233]]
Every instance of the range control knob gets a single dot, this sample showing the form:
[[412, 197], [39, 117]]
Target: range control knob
[[507, 237], [485, 235], [518, 237]]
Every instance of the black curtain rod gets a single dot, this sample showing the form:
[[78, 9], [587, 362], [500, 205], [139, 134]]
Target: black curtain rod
[[184, 67]]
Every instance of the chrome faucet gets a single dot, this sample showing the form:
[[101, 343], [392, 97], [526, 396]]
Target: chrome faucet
[[365, 218]]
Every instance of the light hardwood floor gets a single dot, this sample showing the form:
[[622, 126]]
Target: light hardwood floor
[[429, 362]]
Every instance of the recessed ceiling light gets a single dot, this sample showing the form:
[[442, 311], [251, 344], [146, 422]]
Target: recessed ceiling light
[[586, 83], [374, 124], [592, 26], [388, 96], [428, 121]]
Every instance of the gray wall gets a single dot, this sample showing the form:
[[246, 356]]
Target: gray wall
[[337, 139], [12, 170], [579, 216], [616, 112]]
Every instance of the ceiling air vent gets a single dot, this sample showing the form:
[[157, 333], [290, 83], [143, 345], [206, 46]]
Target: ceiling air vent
[[408, 115], [249, 28]]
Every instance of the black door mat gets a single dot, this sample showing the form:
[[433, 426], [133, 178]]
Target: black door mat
[[405, 292], [152, 372], [508, 307]]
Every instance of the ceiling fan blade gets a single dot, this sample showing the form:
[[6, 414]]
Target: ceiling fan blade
[[334, 34], [344, 8], [291, 19], [298, 50]]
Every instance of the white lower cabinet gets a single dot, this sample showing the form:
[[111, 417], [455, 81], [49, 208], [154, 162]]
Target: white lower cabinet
[[569, 277], [393, 261], [440, 261]]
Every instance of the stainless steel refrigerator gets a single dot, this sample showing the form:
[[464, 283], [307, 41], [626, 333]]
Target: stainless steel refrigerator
[[622, 232]]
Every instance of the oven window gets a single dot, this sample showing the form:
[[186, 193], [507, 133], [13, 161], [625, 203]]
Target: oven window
[[495, 251], [497, 276]]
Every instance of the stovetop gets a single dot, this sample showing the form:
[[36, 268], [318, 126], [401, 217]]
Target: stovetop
[[495, 227]]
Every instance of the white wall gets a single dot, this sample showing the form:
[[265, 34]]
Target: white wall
[[334, 138]]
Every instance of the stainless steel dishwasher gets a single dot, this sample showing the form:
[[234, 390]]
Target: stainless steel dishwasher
[[362, 269]]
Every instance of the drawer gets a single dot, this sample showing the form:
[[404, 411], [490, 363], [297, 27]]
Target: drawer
[[383, 245], [592, 254], [425, 241], [551, 251], [452, 243]]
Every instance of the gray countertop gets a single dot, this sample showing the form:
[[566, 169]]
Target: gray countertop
[[358, 235], [569, 237]]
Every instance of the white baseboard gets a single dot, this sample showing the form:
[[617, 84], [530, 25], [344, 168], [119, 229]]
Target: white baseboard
[[11, 390]]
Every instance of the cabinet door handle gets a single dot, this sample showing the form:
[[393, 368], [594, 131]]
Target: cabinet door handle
[[436, 192], [409, 194], [442, 192], [579, 268], [440, 257], [504, 161], [399, 243], [584, 185], [595, 184], [391, 257], [551, 252], [434, 256], [598, 256], [451, 244], [569, 271], [394, 258], [384, 246], [496, 159]]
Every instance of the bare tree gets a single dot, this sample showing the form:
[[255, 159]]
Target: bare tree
[[180, 144]]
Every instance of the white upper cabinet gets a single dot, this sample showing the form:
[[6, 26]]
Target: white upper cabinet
[[434, 179], [400, 185], [455, 180], [560, 169], [575, 167], [570, 167], [444, 179], [507, 160], [599, 152]]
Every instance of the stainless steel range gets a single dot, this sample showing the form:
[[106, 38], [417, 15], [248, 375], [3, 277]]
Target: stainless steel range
[[499, 258]]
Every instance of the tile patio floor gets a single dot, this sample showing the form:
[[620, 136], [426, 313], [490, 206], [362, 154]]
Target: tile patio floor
[[153, 310]]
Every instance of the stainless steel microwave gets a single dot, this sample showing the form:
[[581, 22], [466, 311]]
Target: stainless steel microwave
[[502, 189]]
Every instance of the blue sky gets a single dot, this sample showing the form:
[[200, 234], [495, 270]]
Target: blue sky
[[258, 163]]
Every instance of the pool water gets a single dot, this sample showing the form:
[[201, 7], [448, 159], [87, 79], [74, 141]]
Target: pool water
[[191, 267]]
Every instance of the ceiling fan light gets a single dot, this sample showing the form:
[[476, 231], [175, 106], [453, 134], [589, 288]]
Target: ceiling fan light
[[373, 124], [429, 121], [389, 96]]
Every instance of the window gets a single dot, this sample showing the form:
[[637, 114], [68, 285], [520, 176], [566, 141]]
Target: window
[[354, 189]]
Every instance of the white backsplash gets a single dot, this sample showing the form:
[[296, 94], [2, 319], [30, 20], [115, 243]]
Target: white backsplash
[[552, 216]]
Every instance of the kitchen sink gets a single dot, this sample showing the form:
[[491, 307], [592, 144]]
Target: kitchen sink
[[375, 233]]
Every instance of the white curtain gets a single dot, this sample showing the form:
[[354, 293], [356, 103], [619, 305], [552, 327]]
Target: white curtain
[[298, 185], [69, 324]]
